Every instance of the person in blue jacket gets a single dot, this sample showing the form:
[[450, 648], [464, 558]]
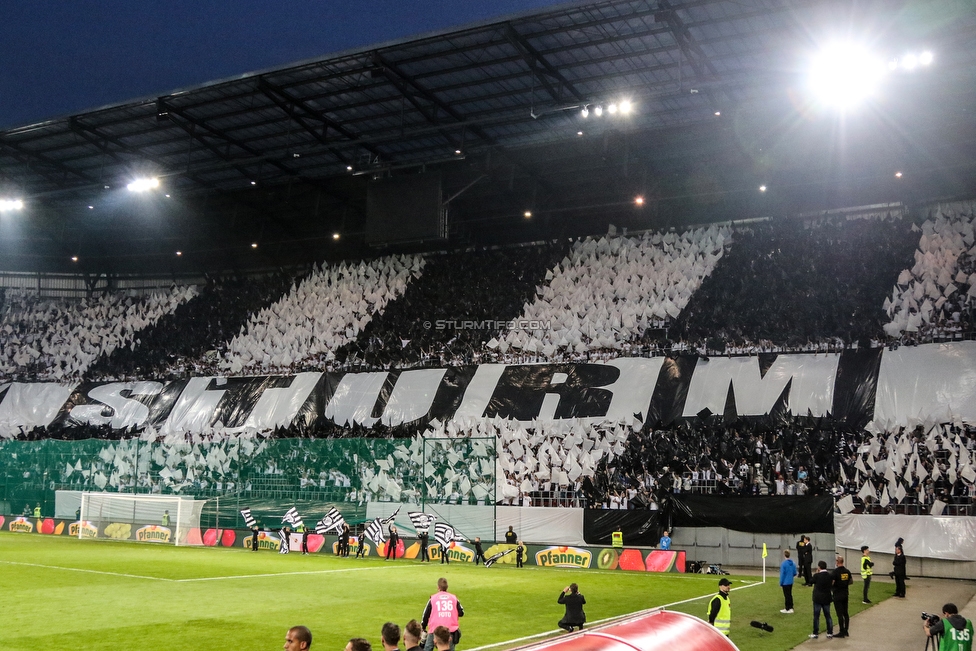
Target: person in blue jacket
[[665, 541], [787, 572]]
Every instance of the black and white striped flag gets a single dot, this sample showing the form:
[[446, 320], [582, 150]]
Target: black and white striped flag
[[445, 534], [293, 518], [494, 557], [421, 521], [284, 548], [374, 531], [390, 520], [332, 520], [249, 520]]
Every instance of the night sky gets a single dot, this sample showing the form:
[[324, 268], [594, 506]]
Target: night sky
[[59, 57]]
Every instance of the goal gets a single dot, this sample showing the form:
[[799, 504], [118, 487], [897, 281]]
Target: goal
[[167, 519]]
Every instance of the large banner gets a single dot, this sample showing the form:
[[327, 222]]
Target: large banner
[[909, 385]]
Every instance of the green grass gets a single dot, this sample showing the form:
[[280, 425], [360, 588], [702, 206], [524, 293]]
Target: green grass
[[190, 598]]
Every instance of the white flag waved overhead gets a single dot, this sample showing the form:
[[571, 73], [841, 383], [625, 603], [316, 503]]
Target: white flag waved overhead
[[293, 518], [249, 520], [332, 520], [374, 531], [445, 534], [390, 520], [421, 521]]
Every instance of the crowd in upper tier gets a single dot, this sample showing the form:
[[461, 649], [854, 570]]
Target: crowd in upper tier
[[814, 284]]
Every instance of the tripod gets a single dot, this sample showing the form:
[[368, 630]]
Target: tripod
[[932, 641]]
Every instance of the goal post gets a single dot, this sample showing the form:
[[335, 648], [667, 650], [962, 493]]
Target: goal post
[[168, 519]]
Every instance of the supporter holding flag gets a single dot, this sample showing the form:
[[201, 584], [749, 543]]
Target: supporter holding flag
[[332, 520]]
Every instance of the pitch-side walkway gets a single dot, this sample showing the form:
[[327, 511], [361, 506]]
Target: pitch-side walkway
[[896, 624]]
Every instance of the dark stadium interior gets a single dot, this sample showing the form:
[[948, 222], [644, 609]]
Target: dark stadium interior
[[507, 96]]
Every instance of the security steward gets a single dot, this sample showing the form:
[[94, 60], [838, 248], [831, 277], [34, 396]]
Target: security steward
[[839, 589], [956, 630], [720, 608], [866, 571]]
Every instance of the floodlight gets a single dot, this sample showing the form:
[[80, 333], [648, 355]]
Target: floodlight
[[762, 188], [179, 253], [335, 236], [349, 168], [74, 258], [598, 111], [143, 184], [585, 112], [843, 75], [898, 175], [639, 201], [926, 58], [527, 214], [254, 245], [11, 204], [254, 182], [625, 106], [579, 133], [612, 108], [909, 62], [718, 113]]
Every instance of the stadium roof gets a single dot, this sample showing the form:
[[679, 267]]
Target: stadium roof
[[281, 158]]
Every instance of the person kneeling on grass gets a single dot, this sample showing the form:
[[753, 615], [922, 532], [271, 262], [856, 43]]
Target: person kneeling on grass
[[573, 600]]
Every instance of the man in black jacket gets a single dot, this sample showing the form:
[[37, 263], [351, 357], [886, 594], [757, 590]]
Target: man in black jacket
[[804, 558], [479, 553], [573, 600], [842, 580], [900, 570], [822, 582]]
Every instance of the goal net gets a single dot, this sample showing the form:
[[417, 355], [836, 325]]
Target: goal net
[[168, 519]]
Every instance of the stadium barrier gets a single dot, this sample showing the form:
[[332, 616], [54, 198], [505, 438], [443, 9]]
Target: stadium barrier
[[631, 559]]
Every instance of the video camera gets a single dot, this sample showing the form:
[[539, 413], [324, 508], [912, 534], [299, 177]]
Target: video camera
[[930, 619]]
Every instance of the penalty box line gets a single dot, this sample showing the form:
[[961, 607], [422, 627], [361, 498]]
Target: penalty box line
[[206, 578], [606, 619]]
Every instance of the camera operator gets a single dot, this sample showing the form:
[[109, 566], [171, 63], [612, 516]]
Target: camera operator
[[956, 630]]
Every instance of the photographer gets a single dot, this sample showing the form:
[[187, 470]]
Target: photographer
[[956, 630]]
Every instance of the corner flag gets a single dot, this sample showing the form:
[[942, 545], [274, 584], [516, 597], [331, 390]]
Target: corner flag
[[765, 553]]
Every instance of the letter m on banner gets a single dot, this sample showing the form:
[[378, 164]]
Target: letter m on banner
[[805, 382]]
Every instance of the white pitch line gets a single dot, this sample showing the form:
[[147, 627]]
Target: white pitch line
[[261, 576], [607, 619], [78, 569]]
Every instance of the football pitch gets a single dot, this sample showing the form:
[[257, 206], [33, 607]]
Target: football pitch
[[61, 593]]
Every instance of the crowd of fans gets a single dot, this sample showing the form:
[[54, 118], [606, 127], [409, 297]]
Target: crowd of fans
[[933, 300], [189, 340], [43, 339], [782, 285]]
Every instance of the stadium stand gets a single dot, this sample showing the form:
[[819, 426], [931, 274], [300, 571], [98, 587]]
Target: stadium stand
[[425, 326], [933, 299], [328, 309], [59, 340], [180, 343]]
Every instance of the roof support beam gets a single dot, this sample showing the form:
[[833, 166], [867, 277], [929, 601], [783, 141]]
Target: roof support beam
[[300, 112], [544, 71], [693, 52]]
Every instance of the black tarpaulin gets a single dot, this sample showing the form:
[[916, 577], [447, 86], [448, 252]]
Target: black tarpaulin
[[640, 528], [777, 514]]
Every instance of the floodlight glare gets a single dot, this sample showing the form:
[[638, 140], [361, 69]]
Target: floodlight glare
[[585, 112], [845, 75], [612, 109], [909, 62], [625, 106], [639, 201], [926, 58], [143, 185], [335, 236], [11, 204], [762, 188], [74, 258], [598, 111], [527, 214]]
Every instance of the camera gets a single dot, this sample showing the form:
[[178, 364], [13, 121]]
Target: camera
[[930, 619]]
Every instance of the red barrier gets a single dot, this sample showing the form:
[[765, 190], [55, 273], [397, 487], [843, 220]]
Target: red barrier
[[662, 630]]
